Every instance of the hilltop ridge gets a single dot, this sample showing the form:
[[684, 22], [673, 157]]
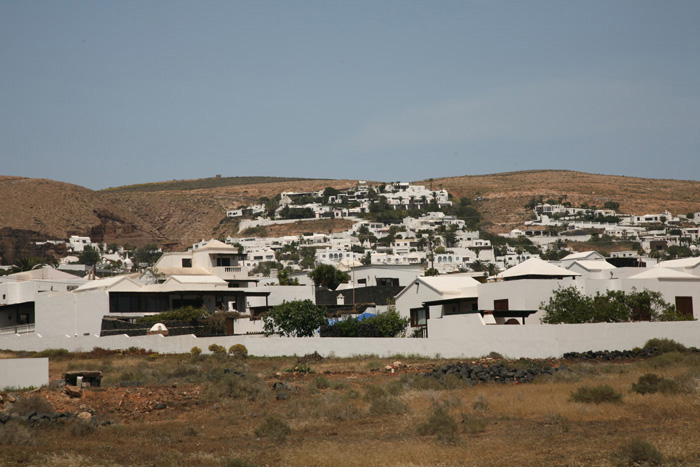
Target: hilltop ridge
[[179, 213]]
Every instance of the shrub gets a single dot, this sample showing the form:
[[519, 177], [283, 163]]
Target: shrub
[[387, 405], [189, 313], [195, 350], [665, 345], [15, 434], [441, 425], [637, 452], [52, 353], [238, 350], [481, 404], [596, 395], [233, 385], [273, 427], [301, 368], [217, 349], [474, 424], [320, 382], [26, 405], [298, 318], [83, 428], [651, 383]]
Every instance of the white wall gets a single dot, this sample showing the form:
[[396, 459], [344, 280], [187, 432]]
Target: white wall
[[525, 294], [20, 373], [449, 337], [61, 314]]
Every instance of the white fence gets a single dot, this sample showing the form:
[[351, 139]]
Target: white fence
[[539, 341], [18, 329]]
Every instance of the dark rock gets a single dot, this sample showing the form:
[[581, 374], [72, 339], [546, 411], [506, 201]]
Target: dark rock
[[160, 406], [281, 395]]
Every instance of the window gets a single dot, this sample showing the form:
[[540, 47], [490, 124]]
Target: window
[[388, 281], [419, 317], [500, 305], [223, 262], [186, 262], [684, 305]]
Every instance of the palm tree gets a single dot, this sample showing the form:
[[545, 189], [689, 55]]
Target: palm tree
[[26, 264]]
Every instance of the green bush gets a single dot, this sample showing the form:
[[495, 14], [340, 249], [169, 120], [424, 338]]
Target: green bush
[[651, 383], [188, 313], [665, 345], [596, 395], [320, 382], [441, 425], [274, 428], [238, 350], [298, 318], [637, 452], [217, 349], [195, 351], [387, 405]]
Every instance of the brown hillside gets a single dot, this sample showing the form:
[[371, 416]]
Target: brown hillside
[[37, 209], [185, 217], [506, 194], [45, 209]]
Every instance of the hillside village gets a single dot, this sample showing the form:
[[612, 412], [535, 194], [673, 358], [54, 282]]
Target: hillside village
[[410, 248]]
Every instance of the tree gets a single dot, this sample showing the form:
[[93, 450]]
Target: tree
[[568, 305], [26, 264], [284, 277], [298, 318], [326, 275], [148, 255], [90, 256]]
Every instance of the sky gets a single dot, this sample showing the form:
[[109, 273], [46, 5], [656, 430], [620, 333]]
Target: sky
[[111, 93]]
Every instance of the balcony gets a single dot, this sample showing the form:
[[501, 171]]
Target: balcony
[[231, 272], [19, 329]]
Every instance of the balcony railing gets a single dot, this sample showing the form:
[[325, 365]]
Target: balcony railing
[[19, 329]]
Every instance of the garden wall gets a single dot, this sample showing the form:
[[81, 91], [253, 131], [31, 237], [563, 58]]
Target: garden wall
[[20, 373], [539, 341]]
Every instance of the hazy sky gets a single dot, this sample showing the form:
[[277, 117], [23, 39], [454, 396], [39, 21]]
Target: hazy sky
[[108, 93]]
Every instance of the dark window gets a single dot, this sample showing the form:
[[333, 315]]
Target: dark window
[[387, 281], [684, 305], [500, 305], [186, 262], [362, 281], [223, 262], [419, 317]]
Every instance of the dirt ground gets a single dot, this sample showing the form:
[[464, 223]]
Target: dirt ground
[[353, 412]]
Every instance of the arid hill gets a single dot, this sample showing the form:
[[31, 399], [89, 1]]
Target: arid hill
[[179, 213], [506, 194]]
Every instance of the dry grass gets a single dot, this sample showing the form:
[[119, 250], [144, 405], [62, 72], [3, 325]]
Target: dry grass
[[332, 421]]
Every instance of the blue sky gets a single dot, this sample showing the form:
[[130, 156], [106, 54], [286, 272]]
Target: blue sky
[[112, 93]]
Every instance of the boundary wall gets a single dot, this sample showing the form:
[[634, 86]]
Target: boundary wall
[[541, 341], [20, 373]]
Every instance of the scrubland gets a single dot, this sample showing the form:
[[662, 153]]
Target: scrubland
[[221, 410]]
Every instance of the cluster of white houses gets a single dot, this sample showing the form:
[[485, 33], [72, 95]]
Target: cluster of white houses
[[215, 276]]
